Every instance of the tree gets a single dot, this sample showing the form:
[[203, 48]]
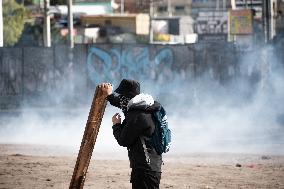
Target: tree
[[14, 16]]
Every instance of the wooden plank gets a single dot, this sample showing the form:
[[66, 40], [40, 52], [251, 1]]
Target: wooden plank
[[89, 139]]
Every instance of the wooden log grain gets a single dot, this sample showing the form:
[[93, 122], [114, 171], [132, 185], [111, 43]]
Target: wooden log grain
[[89, 139]]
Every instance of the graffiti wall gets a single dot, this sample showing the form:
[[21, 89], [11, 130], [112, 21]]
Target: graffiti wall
[[29, 74], [138, 62]]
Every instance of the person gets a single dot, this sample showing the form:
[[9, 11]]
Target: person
[[135, 132]]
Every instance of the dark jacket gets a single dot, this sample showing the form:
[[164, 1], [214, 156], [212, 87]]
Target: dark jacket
[[138, 125]]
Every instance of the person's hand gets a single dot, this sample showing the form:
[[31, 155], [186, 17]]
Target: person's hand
[[106, 88], [116, 119]]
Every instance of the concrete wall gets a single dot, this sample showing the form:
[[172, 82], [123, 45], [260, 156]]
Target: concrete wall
[[29, 75]]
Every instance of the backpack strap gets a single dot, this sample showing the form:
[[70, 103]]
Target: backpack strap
[[145, 150]]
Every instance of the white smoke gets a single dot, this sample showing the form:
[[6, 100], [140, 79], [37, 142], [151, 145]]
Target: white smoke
[[243, 116], [240, 117]]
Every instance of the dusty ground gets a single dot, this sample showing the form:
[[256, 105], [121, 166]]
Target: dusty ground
[[43, 167]]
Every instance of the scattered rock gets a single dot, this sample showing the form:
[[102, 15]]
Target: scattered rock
[[48, 179], [169, 186], [238, 165]]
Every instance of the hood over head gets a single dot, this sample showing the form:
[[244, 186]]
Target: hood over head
[[143, 102], [128, 88]]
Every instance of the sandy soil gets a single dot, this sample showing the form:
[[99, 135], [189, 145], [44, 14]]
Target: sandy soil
[[43, 167]]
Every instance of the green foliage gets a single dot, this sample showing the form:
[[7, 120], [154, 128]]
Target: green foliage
[[28, 2], [58, 2], [14, 16]]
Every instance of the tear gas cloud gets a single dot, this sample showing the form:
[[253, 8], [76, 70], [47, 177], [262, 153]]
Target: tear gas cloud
[[242, 116]]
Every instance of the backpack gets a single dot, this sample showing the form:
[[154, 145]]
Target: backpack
[[161, 138]]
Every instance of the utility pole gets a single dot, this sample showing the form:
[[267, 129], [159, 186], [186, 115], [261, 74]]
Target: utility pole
[[266, 17], [46, 29], [246, 4], [1, 25], [170, 8], [224, 5], [233, 4], [218, 5], [70, 24], [151, 23], [121, 6]]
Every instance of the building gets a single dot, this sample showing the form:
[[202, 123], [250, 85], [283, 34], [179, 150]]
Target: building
[[211, 19], [161, 7], [130, 23], [209, 5], [113, 28], [173, 29], [265, 14], [172, 8], [255, 5], [133, 6]]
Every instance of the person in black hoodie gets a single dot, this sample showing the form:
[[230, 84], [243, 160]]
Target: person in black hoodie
[[135, 132]]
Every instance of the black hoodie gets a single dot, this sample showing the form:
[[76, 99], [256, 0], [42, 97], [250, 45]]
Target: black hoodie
[[138, 125]]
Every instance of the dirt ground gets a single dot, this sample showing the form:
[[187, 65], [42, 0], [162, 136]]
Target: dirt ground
[[42, 167]]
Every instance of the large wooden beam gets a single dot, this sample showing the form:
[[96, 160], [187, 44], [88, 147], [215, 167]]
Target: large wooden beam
[[89, 139]]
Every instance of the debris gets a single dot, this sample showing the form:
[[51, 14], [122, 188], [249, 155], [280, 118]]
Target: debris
[[252, 166], [17, 155], [265, 157], [48, 179], [169, 186], [238, 165]]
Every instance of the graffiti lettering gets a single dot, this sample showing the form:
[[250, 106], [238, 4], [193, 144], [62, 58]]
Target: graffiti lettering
[[132, 62]]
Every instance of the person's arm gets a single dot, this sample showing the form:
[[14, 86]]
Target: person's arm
[[129, 131], [111, 97], [114, 100]]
